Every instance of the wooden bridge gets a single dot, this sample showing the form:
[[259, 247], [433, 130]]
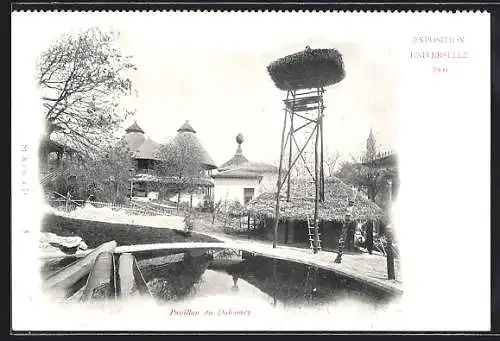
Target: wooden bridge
[[323, 260], [358, 267], [172, 246]]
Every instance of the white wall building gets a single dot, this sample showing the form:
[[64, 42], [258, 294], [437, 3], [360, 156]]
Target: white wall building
[[236, 185], [241, 180]]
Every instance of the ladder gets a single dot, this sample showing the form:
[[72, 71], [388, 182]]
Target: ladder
[[310, 229]]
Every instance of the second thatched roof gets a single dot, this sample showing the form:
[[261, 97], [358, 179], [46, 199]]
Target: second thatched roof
[[186, 139], [301, 205]]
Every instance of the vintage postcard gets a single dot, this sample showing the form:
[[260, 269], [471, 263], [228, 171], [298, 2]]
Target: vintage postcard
[[239, 171]]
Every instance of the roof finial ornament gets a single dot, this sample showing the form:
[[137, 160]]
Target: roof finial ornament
[[186, 127], [239, 139], [134, 128]]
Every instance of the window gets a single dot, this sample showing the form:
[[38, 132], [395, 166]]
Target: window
[[248, 194], [142, 164]]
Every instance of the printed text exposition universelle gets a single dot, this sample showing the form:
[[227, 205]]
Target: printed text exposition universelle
[[438, 53]]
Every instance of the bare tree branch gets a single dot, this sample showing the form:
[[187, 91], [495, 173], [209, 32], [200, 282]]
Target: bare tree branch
[[84, 78]]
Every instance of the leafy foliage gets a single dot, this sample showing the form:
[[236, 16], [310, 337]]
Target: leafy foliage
[[370, 179], [361, 176], [331, 160], [179, 160], [83, 79], [107, 176]]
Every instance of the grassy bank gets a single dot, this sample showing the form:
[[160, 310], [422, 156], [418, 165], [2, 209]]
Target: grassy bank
[[95, 233]]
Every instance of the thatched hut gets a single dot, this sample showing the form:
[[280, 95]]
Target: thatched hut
[[186, 140], [154, 177], [187, 166], [293, 226]]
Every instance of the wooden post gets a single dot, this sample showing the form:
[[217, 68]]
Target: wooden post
[[340, 246], [345, 226], [287, 223], [67, 202], [388, 232], [316, 196], [275, 281], [290, 153], [322, 171], [278, 189], [350, 236], [116, 192], [369, 236]]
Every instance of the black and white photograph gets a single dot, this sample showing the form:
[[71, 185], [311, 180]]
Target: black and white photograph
[[183, 171]]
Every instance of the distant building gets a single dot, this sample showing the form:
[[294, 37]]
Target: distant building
[[146, 182], [144, 151], [54, 155], [377, 159], [240, 180], [385, 163], [186, 140], [56, 160]]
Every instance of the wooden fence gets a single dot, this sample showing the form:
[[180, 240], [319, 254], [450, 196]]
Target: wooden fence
[[132, 207]]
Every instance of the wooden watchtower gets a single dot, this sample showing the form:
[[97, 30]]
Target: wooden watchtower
[[304, 76]]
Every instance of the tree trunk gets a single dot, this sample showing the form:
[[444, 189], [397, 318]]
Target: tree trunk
[[369, 236], [390, 255], [371, 194], [350, 237], [287, 224], [49, 128]]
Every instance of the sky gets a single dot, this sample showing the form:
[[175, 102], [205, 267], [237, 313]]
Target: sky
[[216, 78]]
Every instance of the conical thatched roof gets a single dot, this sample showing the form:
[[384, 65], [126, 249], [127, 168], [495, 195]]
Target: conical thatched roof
[[148, 150], [186, 127], [140, 146], [301, 204], [186, 137], [134, 128], [134, 137], [134, 140]]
